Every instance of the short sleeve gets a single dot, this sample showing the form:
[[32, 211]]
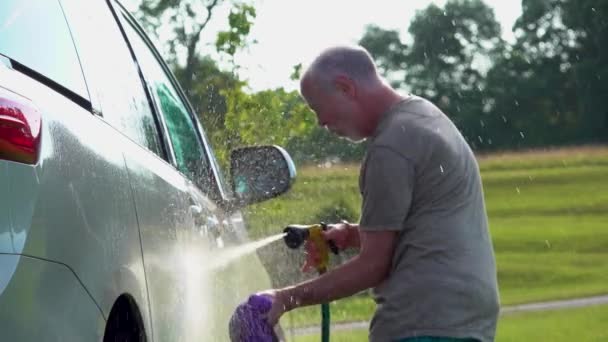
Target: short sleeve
[[387, 184]]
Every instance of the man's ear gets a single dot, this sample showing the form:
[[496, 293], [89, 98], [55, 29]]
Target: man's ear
[[346, 85]]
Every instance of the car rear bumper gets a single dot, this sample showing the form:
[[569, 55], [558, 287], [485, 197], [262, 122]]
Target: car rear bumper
[[44, 301]]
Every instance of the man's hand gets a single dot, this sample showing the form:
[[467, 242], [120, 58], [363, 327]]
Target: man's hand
[[279, 305], [344, 235]]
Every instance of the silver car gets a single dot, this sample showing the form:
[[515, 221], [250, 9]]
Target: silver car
[[115, 220]]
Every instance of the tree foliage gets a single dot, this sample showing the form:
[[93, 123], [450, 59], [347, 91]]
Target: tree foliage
[[187, 19], [544, 89]]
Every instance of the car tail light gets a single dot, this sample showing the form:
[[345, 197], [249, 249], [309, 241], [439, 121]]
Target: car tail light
[[20, 123]]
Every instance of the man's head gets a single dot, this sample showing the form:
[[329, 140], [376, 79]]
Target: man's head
[[343, 88]]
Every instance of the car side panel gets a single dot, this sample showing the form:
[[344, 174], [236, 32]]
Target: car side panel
[[77, 208], [171, 248], [44, 301]]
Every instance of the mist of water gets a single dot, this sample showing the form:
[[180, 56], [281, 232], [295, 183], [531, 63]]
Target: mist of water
[[197, 291], [227, 255]]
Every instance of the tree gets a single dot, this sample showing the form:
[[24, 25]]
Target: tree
[[445, 59], [268, 117], [206, 92], [440, 64], [388, 51], [206, 86], [187, 19], [530, 102], [564, 44], [588, 19]]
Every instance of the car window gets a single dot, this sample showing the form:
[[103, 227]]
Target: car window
[[188, 149], [35, 34], [116, 86]]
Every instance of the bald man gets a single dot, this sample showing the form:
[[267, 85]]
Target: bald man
[[423, 239]]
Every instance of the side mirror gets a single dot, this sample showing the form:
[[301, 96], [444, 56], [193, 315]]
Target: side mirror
[[260, 173]]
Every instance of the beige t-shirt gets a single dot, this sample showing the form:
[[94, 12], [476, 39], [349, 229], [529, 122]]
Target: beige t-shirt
[[420, 178]]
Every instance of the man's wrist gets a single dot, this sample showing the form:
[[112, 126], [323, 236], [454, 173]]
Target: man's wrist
[[288, 299]]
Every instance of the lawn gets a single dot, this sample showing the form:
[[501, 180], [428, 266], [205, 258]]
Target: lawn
[[548, 214], [566, 325]]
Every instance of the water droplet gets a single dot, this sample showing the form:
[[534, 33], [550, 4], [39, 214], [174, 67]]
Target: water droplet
[[518, 191], [593, 9], [522, 134], [504, 118], [480, 139], [441, 168], [482, 123], [516, 103], [547, 243], [453, 23]]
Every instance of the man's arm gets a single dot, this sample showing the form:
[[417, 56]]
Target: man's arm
[[368, 269], [351, 237]]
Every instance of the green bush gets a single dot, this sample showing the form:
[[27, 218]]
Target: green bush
[[335, 212]]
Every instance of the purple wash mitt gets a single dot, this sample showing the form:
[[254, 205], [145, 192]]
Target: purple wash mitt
[[248, 322]]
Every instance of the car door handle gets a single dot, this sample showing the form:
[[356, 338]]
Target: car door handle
[[207, 223], [196, 210], [213, 230]]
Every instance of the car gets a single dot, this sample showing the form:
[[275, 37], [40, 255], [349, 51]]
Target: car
[[115, 217]]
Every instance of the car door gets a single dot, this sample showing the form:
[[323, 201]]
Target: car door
[[192, 292]]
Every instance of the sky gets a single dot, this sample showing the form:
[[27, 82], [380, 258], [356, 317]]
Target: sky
[[289, 32]]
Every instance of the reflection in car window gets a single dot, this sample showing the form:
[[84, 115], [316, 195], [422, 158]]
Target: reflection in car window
[[112, 73], [187, 147], [35, 34]]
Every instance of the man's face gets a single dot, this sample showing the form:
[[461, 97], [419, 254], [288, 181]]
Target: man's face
[[336, 110]]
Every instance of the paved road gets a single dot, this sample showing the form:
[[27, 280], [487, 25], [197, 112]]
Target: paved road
[[551, 305]]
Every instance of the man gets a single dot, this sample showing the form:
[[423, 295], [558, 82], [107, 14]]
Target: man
[[424, 243]]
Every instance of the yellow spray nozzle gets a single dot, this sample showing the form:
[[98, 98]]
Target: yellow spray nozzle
[[296, 235], [317, 238]]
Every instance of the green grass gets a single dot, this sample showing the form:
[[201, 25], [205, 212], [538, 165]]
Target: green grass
[[567, 325], [581, 324], [340, 336], [359, 308], [548, 215]]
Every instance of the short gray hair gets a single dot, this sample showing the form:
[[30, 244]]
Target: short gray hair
[[353, 61]]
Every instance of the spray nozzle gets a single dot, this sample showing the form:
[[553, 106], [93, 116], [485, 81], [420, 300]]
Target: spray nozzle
[[296, 235]]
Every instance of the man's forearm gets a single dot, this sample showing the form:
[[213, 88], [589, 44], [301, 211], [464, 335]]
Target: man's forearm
[[346, 280]]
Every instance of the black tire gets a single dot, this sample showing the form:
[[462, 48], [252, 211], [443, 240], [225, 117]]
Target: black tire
[[124, 323]]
